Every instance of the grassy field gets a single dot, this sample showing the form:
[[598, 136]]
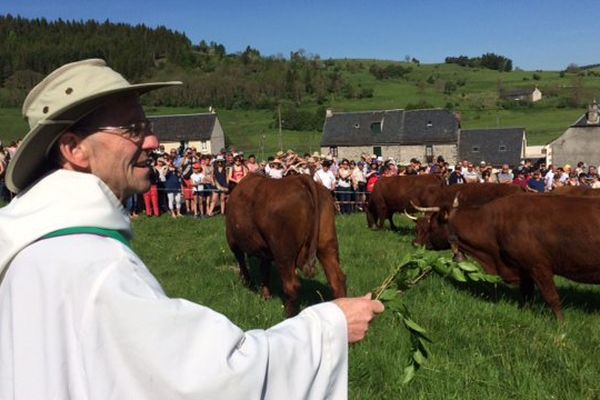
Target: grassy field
[[476, 100], [484, 344]]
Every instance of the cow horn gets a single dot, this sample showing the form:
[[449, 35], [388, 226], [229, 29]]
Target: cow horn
[[410, 216], [455, 202], [424, 209]]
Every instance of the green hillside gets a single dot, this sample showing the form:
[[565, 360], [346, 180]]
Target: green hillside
[[246, 87], [477, 102]]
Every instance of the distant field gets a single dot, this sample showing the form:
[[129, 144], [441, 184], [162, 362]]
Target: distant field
[[476, 99], [485, 346]]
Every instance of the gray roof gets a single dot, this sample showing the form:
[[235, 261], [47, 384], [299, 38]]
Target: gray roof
[[174, 128], [494, 146], [517, 92], [582, 122], [397, 127]]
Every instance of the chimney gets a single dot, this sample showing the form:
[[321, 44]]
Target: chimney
[[328, 113]]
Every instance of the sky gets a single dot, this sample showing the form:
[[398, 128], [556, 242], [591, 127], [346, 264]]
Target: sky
[[534, 34]]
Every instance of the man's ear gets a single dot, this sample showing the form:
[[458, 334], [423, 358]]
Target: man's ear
[[73, 152]]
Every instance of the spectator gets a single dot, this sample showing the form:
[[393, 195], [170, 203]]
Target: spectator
[[456, 177], [536, 184], [173, 187], [276, 169], [521, 179], [219, 179], [372, 177], [251, 163], [359, 184], [549, 178], [470, 175], [162, 168], [505, 175], [197, 180], [325, 177], [344, 187], [237, 172], [151, 196], [564, 176]]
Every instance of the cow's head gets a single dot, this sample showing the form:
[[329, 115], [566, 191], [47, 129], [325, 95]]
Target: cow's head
[[431, 229]]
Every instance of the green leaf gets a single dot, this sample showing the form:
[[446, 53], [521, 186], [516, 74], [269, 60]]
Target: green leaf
[[458, 275], [443, 260], [468, 266], [441, 269], [412, 274], [412, 325], [419, 357], [406, 258], [422, 346], [475, 276], [409, 374], [491, 278], [388, 295]]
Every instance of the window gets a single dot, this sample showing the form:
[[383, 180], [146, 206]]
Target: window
[[429, 124], [204, 146], [376, 127], [333, 150], [429, 150], [377, 151], [502, 147], [356, 125], [475, 149]]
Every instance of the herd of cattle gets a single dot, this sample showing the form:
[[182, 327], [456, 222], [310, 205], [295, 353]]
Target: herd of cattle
[[525, 238]]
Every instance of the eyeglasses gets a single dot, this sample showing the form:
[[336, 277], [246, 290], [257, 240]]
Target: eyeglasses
[[136, 132]]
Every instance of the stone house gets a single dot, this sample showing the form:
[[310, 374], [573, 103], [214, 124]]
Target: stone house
[[401, 134], [580, 142], [494, 146], [531, 95], [202, 131]]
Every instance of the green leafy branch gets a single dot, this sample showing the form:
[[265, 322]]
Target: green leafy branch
[[412, 269]]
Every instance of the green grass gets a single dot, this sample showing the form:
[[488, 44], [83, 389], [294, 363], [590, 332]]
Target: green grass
[[485, 345]]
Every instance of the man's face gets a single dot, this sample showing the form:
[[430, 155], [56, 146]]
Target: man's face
[[118, 161]]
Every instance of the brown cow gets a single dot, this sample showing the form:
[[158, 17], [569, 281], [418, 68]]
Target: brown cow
[[576, 191], [289, 221], [528, 238], [393, 194], [430, 229]]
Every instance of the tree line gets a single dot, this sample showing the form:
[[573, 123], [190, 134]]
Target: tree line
[[31, 48], [487, 60]]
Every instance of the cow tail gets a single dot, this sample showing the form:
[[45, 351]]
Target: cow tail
[[308, 254]]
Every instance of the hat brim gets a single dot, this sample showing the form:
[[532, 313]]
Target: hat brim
[[30, 161]]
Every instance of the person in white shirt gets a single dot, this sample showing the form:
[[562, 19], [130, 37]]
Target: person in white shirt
[[549, 178], [325, 177], [81, 317]]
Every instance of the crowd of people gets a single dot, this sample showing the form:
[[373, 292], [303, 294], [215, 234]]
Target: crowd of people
[[188, 182], [184, 181]]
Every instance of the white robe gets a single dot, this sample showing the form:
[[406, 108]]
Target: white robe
[[81, 317]]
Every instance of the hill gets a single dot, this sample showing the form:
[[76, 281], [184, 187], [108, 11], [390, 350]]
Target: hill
[[246, 88]]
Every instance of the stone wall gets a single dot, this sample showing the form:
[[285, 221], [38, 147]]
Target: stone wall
[[402, 154]]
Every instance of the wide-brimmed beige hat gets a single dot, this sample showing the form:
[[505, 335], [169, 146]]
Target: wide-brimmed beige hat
[[61, 99]]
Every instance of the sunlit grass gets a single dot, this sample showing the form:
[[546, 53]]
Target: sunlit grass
[[485, 345]]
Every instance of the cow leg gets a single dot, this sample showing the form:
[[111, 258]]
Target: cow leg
[[391, 219], [291, 288], [544, 279], [265, 275], [244, 273], [330, 261], [526, 288]]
